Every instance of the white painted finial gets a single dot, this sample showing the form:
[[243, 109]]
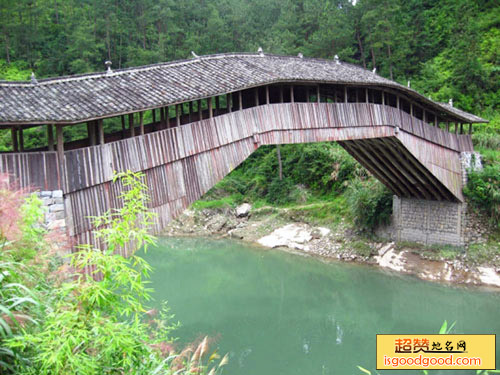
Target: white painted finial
[[108, 64], [374, 70], [450, 102], [409, 83], [300, 55], [336, 58], [261, 52], [195, 55], [33, 78]]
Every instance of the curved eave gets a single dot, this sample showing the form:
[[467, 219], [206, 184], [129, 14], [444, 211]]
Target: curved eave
[[253, 69]]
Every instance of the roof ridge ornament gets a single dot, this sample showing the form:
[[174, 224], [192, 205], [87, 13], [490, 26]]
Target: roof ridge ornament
[[337, 60], [374, 70], [300, 55], [409, 84], [450, 102], [195, 55], [261, 52], [108, 65], [33, 78]]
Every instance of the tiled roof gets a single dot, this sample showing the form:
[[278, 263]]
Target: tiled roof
[[85, 97]]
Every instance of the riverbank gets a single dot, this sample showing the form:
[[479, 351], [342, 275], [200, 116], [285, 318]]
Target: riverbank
[[291, 229]]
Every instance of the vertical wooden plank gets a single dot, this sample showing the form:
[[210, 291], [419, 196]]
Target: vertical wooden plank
[[267, 94], [345, 94], [318, 95], [292, 99], [240, 100], [178, 115]]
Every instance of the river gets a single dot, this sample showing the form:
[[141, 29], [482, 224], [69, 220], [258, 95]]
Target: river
[[281, 313]]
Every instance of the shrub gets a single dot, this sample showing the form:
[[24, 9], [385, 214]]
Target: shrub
[[483, 191], [369, 203], [279, 191]]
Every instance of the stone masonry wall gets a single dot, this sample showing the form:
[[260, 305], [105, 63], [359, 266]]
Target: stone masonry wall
[[53, 201], [429, 222]]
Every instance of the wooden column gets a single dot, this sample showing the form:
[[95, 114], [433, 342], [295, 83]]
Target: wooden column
[[470, 128], [267, 95], [190, 111], [461, 128], [217, 105], [411, 109], [383, 97], [435, 120], [162, 118], [124, 129], [345, 94], [447, 126], [456, 127], [153, 114], [210, 108], [178, 115], [141, 123], [366, 96], [50, 137], [318, 97], [131, 125], [256, 93], [292, 99], [240, 100], [100, 132], [229, 101], [21, 138], [200, 111], [60, 145], [15, 144], [91, 133]]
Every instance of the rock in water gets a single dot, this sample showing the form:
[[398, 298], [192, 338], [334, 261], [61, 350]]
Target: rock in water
[[243, 210]]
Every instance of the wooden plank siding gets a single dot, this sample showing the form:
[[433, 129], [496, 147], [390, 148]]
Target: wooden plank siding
[[182, 163]]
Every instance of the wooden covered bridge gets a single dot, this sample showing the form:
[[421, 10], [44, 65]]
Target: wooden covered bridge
[[186, 124]]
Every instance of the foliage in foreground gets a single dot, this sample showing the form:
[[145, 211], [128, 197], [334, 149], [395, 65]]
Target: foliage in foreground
[[95, 321]]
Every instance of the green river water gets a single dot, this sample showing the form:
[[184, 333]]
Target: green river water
[[280, 313]]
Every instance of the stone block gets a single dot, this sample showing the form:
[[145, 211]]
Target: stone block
[[57, 194], [58, 200], [47, 201], [46, 193], [56, 208]]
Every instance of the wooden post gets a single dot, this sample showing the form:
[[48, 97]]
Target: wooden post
[[210, 108], [100, 131], [91, 133], [292, 99], [435, 120], [153, 114], [21, 139], [162, 117], [383, 97], [141, 123], [60, 146], [190, 111], [15, 144], [461, 128], [240, 100], [345, 94], [318, 95], [366, 95], [281, 94], [131, 125], [124, 130], [200, 111], [50, 137], [411, 109], [256, 93], [447, 126], [178, 115], [217, 106], [470, 128], [267, 95], [229, 101], [456, 127]]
